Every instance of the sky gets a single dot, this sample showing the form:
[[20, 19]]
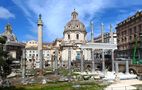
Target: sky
[[23, 15]]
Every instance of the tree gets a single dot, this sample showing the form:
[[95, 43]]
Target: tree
[[5, 59]]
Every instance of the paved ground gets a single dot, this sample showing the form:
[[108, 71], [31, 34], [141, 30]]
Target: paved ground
[[124, 85]]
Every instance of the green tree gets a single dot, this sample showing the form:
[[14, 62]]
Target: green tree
[[5, 59]]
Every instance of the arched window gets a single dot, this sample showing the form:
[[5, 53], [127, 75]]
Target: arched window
[[68, 36], [77, 36]]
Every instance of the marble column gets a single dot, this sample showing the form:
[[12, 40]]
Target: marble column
[[92, 31], [111, 35], [82, 62], [93, 61], [69, 59], [56, 61], [102, 32], [40, 50], [127, 66], [23, 63], [103, 61], [116, 68], [112, 58]]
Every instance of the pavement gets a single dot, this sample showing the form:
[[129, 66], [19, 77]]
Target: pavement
[[124, 85]]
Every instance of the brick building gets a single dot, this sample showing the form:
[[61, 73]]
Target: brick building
[[128, 36]]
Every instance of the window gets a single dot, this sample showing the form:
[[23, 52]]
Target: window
[[130, 37], [77, 36], [125, 39], [130, 31], [135, 29], [68, 36], [135, 36], [140, 28], [78, 55], [47, 54]]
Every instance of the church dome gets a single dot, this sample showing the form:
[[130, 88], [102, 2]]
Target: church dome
[[8, 33], [74, 24]]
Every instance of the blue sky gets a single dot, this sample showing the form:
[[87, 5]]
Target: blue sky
[[23, 14]]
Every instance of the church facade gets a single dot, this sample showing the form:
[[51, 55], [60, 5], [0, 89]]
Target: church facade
[[74, 35], [13, 47]]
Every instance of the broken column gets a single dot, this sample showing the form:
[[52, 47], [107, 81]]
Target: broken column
[[116, 68], [112, 57], [103, 61], [23, 63], [93, 61], [56, 61], [82, 63], [127, 66], [69, 60]]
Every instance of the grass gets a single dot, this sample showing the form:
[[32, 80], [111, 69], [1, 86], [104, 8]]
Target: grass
[[58, 86]]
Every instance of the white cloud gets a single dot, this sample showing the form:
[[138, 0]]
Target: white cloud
[[56, 13], [5, 13]]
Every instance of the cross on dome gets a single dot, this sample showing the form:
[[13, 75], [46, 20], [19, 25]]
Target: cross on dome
[[74, 15]]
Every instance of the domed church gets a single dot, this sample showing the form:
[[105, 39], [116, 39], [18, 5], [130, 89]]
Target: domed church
[[13, 46], [75, 30], [74, 35]]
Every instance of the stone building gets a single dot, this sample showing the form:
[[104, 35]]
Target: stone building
[[13, 46], [106, 37], [128, 36], [74, 35], [32, 53]]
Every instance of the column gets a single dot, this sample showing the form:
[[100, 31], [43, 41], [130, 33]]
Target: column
[[112, 58], [127, 67], [23, 63], [69, 63], [56, 61], [82, 64], [52, 60], [111, 35], [102, 32], [103, 61], [116, 68], [69, 59], [92, 31], [93, 62], [40, 50]]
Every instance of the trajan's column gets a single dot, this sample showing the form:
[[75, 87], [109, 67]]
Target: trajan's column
[[40, 50]]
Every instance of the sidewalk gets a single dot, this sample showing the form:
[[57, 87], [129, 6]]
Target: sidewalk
[[124, 85]]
